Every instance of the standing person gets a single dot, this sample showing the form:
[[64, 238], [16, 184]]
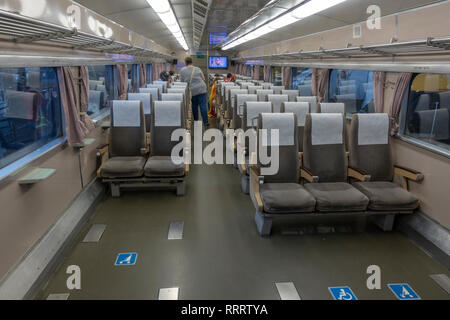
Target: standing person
[[197, 84]]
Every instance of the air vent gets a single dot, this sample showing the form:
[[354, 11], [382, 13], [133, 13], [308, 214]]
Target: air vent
[[357, 31], [200, 9]]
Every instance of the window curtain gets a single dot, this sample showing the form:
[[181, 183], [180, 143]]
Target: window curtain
[[84, 99], [244, 70], [323, 77], [266, 73], [142, 75], [75, 128], [122, 81], [314, 82], [379, 79], [286, 77], [256, 73], [403, 81]]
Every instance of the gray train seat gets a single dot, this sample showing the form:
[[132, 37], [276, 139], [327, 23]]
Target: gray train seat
[[263, 94], [371, 164], [231, 101], [305, 90], [238, 109], [164, 83], [267, 86], [279, 194], [252, 110], [126, 146], [292, 94], [325, 165], [254, 89], [160, 86], [278, 89], [301, 109], [312, 102], [332, 108], [155, 92], [146, 99], [277, 100], [168, 116]]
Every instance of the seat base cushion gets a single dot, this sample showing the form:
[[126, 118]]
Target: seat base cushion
[[123, 167], [286, 198], [387, 196], [337, 197], [158, 167]]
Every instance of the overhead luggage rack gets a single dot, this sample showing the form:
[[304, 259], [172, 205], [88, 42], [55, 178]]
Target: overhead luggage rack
[[395, 49], [21, 29]]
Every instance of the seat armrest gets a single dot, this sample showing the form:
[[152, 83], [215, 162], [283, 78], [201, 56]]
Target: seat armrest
[[408, 174], [358, 174], [101, 150], [309, 176], [255, 181]]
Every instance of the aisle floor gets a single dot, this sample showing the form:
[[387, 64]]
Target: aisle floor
[[221, 255]]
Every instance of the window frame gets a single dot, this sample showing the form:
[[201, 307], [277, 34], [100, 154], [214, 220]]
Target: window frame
[[401, 135]]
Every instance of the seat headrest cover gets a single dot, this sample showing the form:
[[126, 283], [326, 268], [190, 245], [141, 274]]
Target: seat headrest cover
[[327, 129], [241, 99], [373, 129], [172, 97], [277, 99], [167, 114], [254, 109], [284, 122], [175, 90], [301, 109], [145, 98], [153, 91], [332, 108], [126, 113]]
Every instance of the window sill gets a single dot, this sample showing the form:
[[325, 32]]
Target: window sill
[[29, 158], [98, 119], [424, 145]]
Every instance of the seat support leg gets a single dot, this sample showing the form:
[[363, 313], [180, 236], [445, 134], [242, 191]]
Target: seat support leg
[[245, 184], [386, 223], [181, 189], [263, 224], [115, 190]]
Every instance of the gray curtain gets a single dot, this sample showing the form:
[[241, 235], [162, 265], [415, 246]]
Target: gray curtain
[[266, 73], [403, 82], [84, 100], [286, 77], [314, 81], [379, 80], [255, 72], [75, 128], [142, 75], [324, 75]]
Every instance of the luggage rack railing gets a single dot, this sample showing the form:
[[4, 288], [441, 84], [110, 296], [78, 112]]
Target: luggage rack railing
[[20, 29], [395, 49]]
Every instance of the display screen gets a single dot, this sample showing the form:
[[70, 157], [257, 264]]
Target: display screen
[[217, 37], [218, 62]]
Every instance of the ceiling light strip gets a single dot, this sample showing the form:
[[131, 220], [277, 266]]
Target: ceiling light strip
[[164, 10], [305, 10]]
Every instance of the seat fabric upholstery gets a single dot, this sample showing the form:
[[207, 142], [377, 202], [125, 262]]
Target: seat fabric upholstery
[[337, 197], [387, 196], [286, 198], [163, 167], [123, 167]]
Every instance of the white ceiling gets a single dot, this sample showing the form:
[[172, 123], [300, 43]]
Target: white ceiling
[[227, 15]]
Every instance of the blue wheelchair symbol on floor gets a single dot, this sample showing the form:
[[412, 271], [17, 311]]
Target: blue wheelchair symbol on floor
[[342, 293], [126, 259], [403, 291]]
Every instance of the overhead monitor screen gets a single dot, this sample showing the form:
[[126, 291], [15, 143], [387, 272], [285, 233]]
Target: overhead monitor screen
[[217, 37], [218, 62]]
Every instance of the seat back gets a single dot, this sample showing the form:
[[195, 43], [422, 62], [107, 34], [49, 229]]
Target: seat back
[[245, 85], [278, 89], [175, 97], [127, 133], [167, 116], [156, 94], [369, 146], [267, 86], [324, 150], [263, 94], [300, 109], [180, 84], [238, 110], [285, 123], [332, 108], [160, 86], [277, 100], [232, 99], [254, 89], [312, 102], [146, 99], [292, 94], [252, 110], [164, 84]]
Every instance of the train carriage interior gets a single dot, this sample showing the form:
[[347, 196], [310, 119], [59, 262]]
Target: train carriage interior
[[235, 150]]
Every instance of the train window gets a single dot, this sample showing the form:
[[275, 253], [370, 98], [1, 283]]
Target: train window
[[102, 88], [133, 78], [30, 111], [302, 80], [276, 76], [354, 88], [428, 110]]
